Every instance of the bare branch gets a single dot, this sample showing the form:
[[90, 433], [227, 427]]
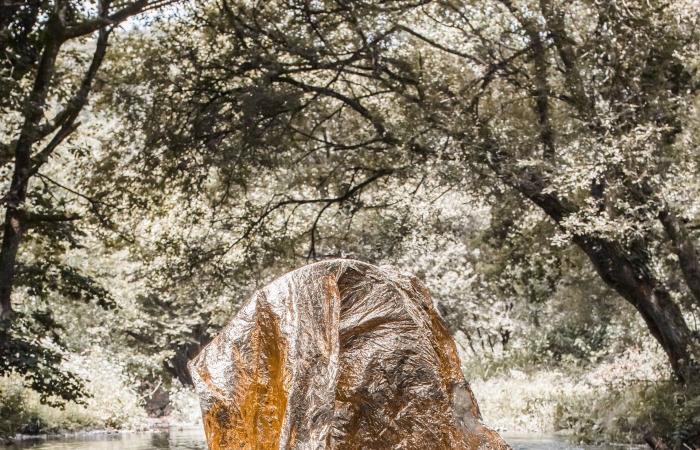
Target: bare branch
[[43, 155], [327, 201], [439, 46]]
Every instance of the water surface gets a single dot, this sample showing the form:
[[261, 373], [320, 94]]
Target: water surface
[[193, 439]]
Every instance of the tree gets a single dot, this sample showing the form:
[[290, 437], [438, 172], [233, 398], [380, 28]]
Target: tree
[[44, 89], [584, 111]]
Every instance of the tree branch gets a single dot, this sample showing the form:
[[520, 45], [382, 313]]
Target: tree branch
[[542, 89], [90, 26], [76, 103], [684, 247], [554, 20], [33, 219], [349, 193]]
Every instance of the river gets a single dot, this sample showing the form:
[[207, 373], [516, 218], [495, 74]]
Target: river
[[193, 439]]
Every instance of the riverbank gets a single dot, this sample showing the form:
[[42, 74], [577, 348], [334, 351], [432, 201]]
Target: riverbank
[[114, 406], [151, 427], [180, 438], [594, 406], [163, 424], [618, 400]]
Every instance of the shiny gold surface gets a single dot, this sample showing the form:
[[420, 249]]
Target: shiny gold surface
[[338, 355]]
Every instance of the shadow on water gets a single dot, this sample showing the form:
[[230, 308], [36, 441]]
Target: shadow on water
[[193, 439]]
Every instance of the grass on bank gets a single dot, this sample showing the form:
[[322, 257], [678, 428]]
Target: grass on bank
[[615, 401]]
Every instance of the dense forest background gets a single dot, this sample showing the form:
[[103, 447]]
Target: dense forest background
[[535, 162]]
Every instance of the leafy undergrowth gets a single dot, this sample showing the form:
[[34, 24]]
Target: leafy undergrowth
[[112, 404], [616, 401]]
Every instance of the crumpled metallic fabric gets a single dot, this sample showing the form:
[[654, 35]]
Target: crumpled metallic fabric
[[338, 355]]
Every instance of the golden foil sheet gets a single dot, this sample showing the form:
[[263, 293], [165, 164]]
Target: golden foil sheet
[[338, 355]]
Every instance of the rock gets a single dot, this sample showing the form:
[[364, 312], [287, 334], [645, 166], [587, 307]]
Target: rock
[[338, 355]]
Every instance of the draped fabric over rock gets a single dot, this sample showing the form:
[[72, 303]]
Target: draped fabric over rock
[[338, 355]]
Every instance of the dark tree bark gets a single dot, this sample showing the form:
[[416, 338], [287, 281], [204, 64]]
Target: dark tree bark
[[15, 197], [655, 442], [627, 269], [628, 273]]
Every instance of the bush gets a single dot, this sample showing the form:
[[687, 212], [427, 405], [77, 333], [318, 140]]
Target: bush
[[185, 405], [664, 409], [517, 401], [619, 400], [13, 414], [113, 402]]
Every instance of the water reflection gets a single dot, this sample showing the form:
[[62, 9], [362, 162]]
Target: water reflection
[[553, 442], [193, 439]]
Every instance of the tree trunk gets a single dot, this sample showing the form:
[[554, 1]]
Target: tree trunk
[[628, 274], [17, 194], [626, 270], [8, 256], [655, 442]]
